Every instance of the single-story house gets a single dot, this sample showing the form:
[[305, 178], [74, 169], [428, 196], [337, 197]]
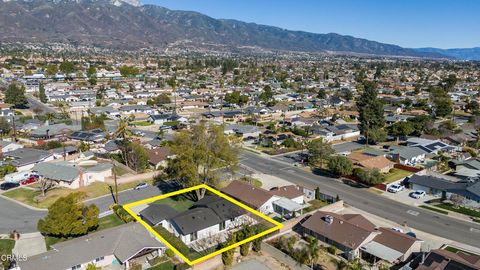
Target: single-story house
[[346, 232], [158, 156], [380, 162], [441, 259], [6, 146], [25, 158], [407, 155], [119, 246], [94, 135], [71, 175], [245, 131]]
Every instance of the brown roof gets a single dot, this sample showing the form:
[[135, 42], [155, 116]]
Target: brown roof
[[157, 155], [440, 259], [290, 192], [395, 240], [248, 194], [348, 230]]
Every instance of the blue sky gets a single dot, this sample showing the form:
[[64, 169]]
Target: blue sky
[[408, 23]]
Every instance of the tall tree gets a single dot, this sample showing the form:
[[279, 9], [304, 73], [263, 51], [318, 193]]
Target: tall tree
[[371, 111], [15, 95], [68, 217], [319, 151], [41, 93], [198, 152]]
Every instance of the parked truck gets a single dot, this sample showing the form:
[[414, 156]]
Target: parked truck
[[17, 177]]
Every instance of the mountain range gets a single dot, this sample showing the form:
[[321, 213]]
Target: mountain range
[[126, 24]]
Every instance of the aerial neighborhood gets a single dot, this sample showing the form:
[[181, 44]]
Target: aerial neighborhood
[[318, 160]]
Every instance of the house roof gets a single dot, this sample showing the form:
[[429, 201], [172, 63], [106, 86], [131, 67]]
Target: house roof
[[25, 156], [195, 220], [430, 181], [248, 194], [349, 230], [57, 171], [440, 259], [224, 209], [290, 192], [157, 212], [122, 241], [157, 155], [395, 240], [407, 152]]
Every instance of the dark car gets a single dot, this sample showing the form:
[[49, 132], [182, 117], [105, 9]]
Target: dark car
[[8, 185]]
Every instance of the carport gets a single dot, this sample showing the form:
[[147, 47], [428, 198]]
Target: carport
[[288, 208]]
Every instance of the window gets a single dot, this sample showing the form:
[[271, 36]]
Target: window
[[99, 259], [222, 226], [193, 236], [76, 267], [232, 219]]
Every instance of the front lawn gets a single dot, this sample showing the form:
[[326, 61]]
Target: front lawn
[[434, 209], [460, 209], [314, 205], [34, 198], [6, 246], [142, 123], [180, 203], [109, 221], [396, 174]]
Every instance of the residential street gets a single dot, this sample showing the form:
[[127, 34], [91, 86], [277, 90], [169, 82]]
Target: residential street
[[418, 218], [17, 217]]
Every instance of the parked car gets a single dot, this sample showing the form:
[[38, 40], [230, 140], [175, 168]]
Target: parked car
[[8, 185], [140, 133], [140, 186], [30, 180], [395, 188], [418, 194], [397, 229]]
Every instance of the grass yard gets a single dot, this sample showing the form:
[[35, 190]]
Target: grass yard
[[6, 246], [434, 209], [142, 123], [396, 174], [109, 221], [120, 170], [460, 209], [168, 265], [29, 196], [180, 203], [315, 204]]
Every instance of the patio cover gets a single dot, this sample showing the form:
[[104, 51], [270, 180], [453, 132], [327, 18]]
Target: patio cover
[[289, 205], [380, 251]]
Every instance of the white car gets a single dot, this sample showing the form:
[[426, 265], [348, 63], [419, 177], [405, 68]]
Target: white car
[[139, 133], [395, 188], [418, 194], [397, 229], [140, 186]]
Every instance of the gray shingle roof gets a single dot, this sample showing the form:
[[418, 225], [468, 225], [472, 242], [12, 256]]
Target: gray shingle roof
[[122, 241], [57, 171], [195, 220], [156, 213]]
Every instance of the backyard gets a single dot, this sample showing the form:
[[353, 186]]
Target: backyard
[[180, 203], [32, 195]]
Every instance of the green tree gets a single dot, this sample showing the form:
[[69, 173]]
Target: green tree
[[4, 125], [321, 94], [370, 108], [15, 95], [198, 152], [319, 151], [138, 157], [67, 67], [41, 93], [51, 70], [83, 147], [91, 72], [236, 98], [402, 129], [6, 169], [267, 94], [340, 165], [92, 266], [127, 71], [442, 103], [68, 217], [371, 177]]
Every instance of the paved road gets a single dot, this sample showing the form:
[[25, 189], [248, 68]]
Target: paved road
[[417, 218], [127, 196], [32, 103], [16, 217]]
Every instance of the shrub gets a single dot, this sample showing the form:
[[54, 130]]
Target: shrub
[[332, 250], [174, 241], [169, 253], [340, 165], [122, 213]]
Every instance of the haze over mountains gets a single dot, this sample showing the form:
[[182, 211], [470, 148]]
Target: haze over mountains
[[126, 24]]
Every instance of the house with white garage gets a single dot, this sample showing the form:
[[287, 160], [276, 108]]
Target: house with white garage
[[7, 146]]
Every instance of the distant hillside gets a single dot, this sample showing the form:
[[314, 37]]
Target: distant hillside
[[128, 25], [463, 54]]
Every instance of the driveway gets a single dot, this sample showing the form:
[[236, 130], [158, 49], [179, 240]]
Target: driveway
[[404, 197], [14, 216], [30, 244]]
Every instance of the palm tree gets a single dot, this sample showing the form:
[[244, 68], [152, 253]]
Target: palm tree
[[356, 265], [123, 133], [313, 249]]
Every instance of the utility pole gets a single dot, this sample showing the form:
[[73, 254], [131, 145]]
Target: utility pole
[[115, 182], [14, 128]]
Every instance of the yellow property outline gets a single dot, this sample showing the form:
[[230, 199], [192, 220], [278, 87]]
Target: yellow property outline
[[216, 192]]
